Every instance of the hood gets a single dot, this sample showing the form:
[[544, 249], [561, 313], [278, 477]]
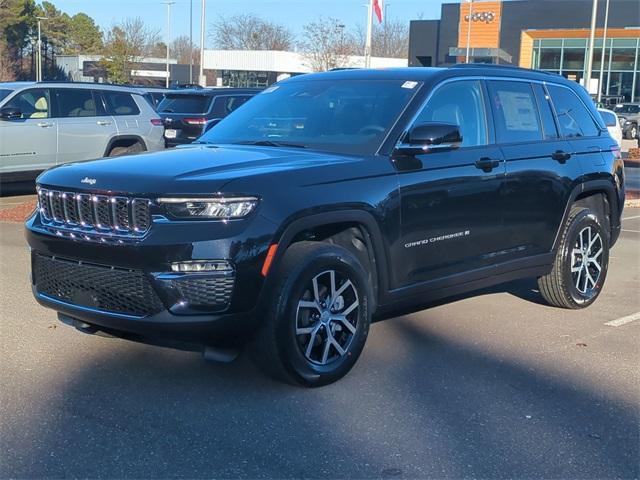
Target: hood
[[197, 169]]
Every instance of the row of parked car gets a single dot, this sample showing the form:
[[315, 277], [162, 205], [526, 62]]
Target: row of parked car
[[43, 124], [47, 123]]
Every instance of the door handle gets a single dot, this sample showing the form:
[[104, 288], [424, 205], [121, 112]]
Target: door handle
[[560, 156], [487, 164], [103, 122], [45, 125]]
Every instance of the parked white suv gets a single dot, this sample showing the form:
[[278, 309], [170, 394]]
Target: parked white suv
[[47, 123]]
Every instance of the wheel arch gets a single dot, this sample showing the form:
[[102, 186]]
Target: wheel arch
[[125, 140], [337, 227], [585, 193]]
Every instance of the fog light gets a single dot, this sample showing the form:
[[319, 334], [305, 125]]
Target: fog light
[[202, 266]]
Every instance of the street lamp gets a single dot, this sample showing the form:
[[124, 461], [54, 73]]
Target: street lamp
[[39, 51], [469, 30], [168, 4], [604, 48], [592, 35], [191, 42], [201, 80]]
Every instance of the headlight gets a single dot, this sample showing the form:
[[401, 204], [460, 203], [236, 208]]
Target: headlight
[[218, 208]]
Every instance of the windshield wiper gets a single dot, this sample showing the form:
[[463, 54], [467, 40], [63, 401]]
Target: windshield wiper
[[270, 143]]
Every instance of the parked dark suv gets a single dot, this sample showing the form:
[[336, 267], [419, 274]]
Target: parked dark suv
[[330, 200], [187, 114]]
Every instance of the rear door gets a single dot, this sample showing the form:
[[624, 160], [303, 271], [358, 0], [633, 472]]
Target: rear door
[[30, 142], [539, 166], [83, 127], [125, 111]]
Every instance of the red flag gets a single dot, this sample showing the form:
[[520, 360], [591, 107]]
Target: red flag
[[377, 8]]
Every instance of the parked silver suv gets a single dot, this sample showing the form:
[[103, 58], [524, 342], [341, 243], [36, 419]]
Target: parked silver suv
[[47, 123]]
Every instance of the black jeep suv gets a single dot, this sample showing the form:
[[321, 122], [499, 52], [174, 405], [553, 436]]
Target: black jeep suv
[[330, 200]]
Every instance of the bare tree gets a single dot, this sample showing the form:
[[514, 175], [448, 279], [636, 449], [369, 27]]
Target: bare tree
[[181, 49], [389, 39], [7, 66], [326, 44], [250, 32], [127, 42]]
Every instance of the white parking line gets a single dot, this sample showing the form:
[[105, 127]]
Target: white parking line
[[632, 231], [624, 320], [631, 218]]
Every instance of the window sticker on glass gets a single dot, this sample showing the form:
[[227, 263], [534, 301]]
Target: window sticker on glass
[[409, 84], [271, 89], [519, 112]]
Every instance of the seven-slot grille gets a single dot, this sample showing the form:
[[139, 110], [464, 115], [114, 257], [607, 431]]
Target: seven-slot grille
[[99, 213]]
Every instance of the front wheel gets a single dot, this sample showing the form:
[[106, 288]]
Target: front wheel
[[319, 316], [581, 263]]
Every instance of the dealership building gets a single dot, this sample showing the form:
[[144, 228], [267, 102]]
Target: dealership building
[[550, 35]]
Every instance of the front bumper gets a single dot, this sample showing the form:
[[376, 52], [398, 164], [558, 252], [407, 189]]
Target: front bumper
[[130, 287]]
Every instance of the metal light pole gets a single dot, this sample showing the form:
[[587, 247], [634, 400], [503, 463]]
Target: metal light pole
[[39, 51], [466, 60], [592, 36], [202, 81], [604, 49], [367, 45], [191, 42], [168, 4]]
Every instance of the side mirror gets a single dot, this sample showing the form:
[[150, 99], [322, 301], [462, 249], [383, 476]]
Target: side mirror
[[10, 113], [431, 137]]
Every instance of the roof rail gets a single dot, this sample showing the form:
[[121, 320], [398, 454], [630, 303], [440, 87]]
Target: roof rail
[[500, 67]]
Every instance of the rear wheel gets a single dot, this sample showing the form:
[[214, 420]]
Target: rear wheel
[[318, 320], [581, 263]]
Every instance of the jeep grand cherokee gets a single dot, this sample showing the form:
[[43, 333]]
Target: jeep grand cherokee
[[330, 200]]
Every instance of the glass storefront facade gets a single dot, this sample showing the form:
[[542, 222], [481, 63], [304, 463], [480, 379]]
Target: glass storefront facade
[[566, 56]]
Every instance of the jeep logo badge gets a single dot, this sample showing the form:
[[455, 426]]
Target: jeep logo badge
[[89, 181]]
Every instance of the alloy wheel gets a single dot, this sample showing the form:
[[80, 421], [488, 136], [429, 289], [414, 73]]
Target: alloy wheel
[[327, 317], [585, 260]]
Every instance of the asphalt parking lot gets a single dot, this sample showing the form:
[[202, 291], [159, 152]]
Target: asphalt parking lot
[[494, 385]]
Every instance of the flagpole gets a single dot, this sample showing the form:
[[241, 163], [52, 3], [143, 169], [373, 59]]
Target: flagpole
[[367, 47]]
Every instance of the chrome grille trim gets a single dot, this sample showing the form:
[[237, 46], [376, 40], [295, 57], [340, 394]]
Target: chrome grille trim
[[100, 214]]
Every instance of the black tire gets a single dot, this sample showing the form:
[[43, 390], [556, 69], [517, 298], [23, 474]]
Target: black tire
[[118, 151], [633, 132], [578, 289], [282, 353]]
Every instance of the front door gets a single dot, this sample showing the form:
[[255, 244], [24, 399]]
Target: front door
[[451, 213], [30, 142]]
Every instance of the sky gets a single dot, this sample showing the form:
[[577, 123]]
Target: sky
[[292, 13]]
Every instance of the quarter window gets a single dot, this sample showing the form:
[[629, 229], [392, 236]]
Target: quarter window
[[515, 112], [77, 102], [32, 103], [459, 103], [573, 117], [120, 103]]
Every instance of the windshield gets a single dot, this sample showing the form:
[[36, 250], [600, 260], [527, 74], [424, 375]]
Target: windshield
[[627, 109], [3, 93], [347, 116], [185, 104]]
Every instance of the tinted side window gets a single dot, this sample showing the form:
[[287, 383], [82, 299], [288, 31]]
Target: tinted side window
[[549, 127], [120, 103], [573, 116], [459, 103], [515, 112], [75, 102], [223, 106], [609, 118], [32, 103]]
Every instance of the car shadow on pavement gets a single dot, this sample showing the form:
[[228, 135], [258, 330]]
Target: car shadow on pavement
[[416, 405]]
